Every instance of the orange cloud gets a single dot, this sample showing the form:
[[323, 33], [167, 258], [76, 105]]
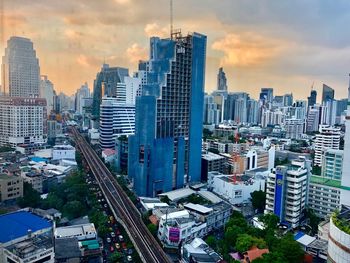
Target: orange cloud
[[136, 53], [153, 29], [86, 61], [247, 49]]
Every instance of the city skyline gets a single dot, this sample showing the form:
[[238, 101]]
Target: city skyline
[[278, 47]]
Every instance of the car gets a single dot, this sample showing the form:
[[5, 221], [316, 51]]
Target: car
[[130, 251], [121, 238], [117, 246], [111, 249], [124, 245], [112, 235], [109, 240], [105, 205], [129, 258], [117, 231]]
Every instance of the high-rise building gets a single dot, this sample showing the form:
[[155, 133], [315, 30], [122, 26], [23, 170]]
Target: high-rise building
[[82, 93], [20, 69], [294, 128], [168, 129], [222, 81], [341, 106], [116, 119], [252, 111], [288, 99], [311, 100], [106, 83], [266, 95], [327, 93], [212, 113], [328, 138], [314, 117], [47, 92], [269, 117], [330, 113], [345, 182], [22, 121], [286, 191]]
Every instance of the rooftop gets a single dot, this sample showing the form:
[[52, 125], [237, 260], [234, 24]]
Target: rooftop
[[210, 196], [325, 181], [211, 156], [198, 208], [178, 194], [75, 231], [17, 224]]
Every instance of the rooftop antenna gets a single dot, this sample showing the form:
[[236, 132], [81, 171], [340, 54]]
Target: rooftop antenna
[[312, 86], [171, 19]]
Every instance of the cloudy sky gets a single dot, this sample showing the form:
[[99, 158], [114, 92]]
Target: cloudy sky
[[287, 45]]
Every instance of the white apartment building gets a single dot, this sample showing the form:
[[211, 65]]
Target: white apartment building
[[115, 120], [63, 152], [328, 138], [286, 191], [82, 93], [294, 128], [22, 121], [20, 69]]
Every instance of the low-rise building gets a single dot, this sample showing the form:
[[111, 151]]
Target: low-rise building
[[11, 187], [26, 238], [60, 152], [236, 189], [211, 162], [198, 251]]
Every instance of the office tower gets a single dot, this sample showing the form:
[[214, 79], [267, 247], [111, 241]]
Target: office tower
[[286, 191], [330, 114], [22, 121], [212, 113], [278, 101], [294, 128], [311, 100], [82, 93], [240, 115], [328, 138], [106, 83], [266, 95], [252, 111], [327, 93], [298, 110], [222, 81], [341, 106], [288, 100], [47, 92], [345, 182], [20, 69], [314, 116], [116, 119], [168, 129]]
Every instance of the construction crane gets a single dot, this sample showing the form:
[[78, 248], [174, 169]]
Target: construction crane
[[171, 19]]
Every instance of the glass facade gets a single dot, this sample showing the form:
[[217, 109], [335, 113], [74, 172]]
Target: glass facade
[[168, 129]]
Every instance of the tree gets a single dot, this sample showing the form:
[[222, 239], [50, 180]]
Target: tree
[[73, 209], [31, 198], [152, 228], [270, 221], [211, 241], [316, 170], [274, 257], [115, 257], [313, 220], [207, 134], [258, 200], [245, 242], [290, 250]]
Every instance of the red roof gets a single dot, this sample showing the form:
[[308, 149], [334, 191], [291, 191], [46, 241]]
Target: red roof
[[255, 253], [109, 152]]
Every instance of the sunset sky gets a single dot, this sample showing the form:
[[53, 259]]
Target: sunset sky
[[286, 45]]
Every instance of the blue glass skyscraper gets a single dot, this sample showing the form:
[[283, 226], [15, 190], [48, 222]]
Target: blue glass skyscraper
[[168, 122]]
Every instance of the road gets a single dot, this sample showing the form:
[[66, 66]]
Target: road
[[149, 249]]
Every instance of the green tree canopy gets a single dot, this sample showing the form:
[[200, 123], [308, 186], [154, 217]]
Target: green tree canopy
[[258, 200]]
